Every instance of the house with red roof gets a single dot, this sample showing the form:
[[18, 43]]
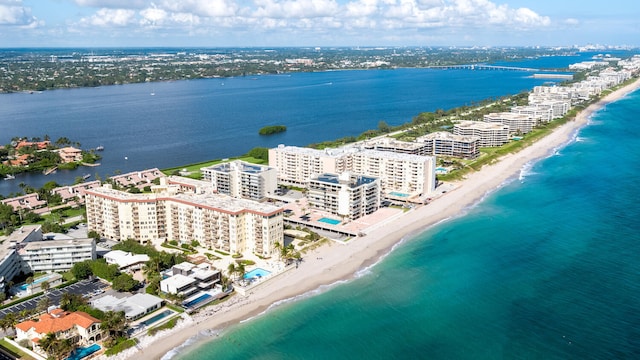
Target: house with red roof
[[70, 154], [80, 327]]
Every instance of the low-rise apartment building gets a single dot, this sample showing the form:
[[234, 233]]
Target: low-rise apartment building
[[490, 134], [56, 255], [517, 123], [443, 143], [397, 146]]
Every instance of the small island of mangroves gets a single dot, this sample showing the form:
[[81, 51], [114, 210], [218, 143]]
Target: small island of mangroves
[[272, 129]]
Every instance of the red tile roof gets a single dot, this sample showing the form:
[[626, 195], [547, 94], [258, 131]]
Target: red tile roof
[[58, 320]]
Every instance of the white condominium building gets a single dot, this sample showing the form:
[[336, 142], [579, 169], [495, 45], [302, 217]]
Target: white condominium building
[[346, 195], [406, 173], [242, 180], [399, 173], [26, 250], [490, 134], [518, 123], [545, 114], [56, 255], [171, 213], [447, 144], [296, 165], [397, 146]]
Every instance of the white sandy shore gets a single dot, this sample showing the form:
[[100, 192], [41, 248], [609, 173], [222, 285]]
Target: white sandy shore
[[334, 262]]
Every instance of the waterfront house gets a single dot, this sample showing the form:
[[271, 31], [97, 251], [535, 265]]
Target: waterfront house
[[79, 327]]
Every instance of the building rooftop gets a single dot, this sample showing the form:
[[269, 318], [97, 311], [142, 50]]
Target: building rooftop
[[179, 281], [36, 245], [58, 320], [133, 306], [238, 165], [385, 142], [482, 125], [125, 259], [352, 181], [445, 135]]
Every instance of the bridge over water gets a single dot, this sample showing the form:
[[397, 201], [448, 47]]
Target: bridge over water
[[485, 67]]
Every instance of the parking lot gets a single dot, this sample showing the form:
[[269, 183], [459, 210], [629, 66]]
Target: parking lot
[[81, 288]]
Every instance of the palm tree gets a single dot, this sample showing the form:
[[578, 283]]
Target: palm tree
[[55, 347], [115, 323], [45, 286]]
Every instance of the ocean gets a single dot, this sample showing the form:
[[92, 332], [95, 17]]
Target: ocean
[[545, 267]]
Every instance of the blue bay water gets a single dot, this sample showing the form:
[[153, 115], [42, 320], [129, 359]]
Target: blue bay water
[[544, 268], [187, 122]]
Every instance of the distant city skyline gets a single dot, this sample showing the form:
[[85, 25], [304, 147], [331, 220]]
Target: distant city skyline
[[212, 23]]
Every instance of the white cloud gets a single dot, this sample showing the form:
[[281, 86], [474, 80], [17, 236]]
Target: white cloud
[[296, 9], [113, 4], [572, 21], [153, 16], [13, 13], [110, 17], [202, 8]]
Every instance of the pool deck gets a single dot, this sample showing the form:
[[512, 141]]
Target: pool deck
[[349, 228]]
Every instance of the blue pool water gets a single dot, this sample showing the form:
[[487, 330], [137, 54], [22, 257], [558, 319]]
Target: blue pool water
[[24, 287], [398, 194], [258, 272], [197, 300], [80, 353], [329, 221], [156, 318]]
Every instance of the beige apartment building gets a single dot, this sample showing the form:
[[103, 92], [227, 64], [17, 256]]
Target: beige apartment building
[[185, 211], [490, 134]]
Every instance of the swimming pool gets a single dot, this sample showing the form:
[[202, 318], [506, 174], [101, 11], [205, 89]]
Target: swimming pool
[[329, 221], [197, 300], [257, 272], [156, 317], [398, 194], [25, 286], [81, 352]]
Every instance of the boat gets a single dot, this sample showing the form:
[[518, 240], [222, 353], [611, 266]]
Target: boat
[[9, 177], [100, 148], [86, 176]]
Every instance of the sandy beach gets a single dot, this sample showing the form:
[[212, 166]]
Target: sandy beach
[[333, 262]]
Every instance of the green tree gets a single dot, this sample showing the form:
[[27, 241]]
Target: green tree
[[383, 127], [94, 235], [81, 270], [115, 323], [261, 153], [56, 348], [45, 286], [124, 282], [72, 302]]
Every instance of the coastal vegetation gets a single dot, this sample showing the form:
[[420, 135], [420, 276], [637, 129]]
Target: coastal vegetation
[[42, 155], [43, 69], [272, 129]]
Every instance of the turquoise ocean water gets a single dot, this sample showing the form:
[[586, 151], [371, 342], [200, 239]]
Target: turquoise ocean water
[[546, 267]]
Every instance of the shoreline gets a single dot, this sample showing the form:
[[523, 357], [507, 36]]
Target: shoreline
[[325, 266]]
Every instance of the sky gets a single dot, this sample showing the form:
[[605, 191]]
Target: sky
[[259, 23]]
